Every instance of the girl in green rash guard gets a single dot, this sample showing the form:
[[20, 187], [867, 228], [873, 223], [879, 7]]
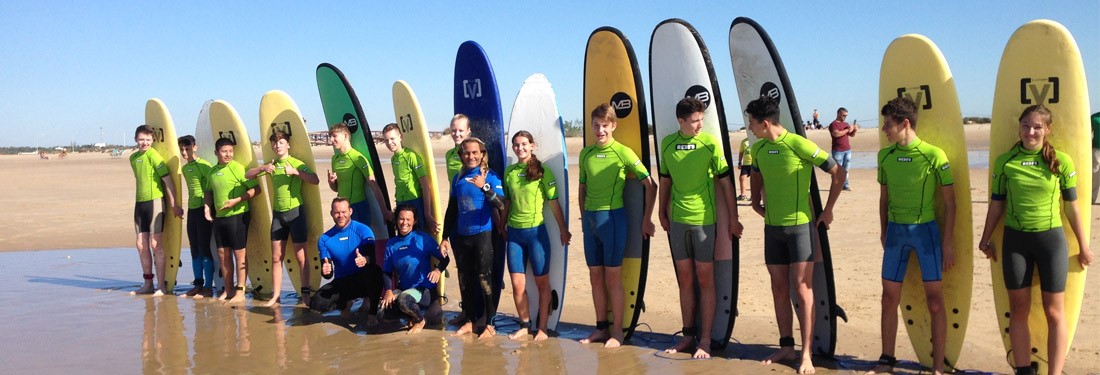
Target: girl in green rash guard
[[288, 219], [528, 186], [1026, 181]]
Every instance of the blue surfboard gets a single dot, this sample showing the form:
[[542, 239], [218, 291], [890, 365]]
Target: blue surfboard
[[477, 97]]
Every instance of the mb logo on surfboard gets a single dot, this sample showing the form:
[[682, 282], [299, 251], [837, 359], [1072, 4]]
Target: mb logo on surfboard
[[699, 93], [770, 90], [351, 122], [1036, 90], [920, 95], [471, 89], [622, 103]]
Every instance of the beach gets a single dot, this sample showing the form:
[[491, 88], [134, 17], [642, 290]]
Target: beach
[[81, 207]]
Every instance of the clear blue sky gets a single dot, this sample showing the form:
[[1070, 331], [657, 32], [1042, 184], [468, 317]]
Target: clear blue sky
[[70, 68]]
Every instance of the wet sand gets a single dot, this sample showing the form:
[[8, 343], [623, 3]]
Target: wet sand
[[90, 322]]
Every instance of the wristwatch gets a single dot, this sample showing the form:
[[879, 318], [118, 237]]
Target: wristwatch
[[486, 188]]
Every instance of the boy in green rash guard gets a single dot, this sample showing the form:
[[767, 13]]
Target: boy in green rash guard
[[410, 177], [1026, 182], [353, 176], [230, 191], [910, 173], [460, 130], [529, 186], [781, 173], [744, 163], [604, 168], [196, 176], [288, 219], [155, 191], [693, 170]]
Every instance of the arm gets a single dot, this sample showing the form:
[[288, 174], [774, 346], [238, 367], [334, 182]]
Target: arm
[[725, 187], [308, 176], [170, 192], [332, 184], [378, 197], [582, 191], [450, 220], [425, 194], [996, 210], [258, 171], [839, 174], [949, 226], [248, 194], [883, 210], [756, 187], [837, 133], [664, 195], [560, 218], [1074, 217], [208, 204], [650, 196]]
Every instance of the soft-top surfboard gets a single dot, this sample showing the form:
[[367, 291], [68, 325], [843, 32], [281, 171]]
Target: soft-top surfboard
[[340, 104], [476, 95], [414, 130], [759, 71], [536, 111], [1042, 65], [226, 123], [205, 142], [679, 67], [611, 75], [913, 67], [278, 112], [167, 145]]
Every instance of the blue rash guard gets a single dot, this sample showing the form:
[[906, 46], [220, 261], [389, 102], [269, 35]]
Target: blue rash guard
[[339, 244], [410, 257], [474, 212]]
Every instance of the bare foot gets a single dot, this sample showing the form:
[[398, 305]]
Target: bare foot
[[272, 302], [238, 297], [686, 344], [466, 328], [598, 335], [702, 351], [489, 332], [518, 334], [145, 289], [416, 327], [541, 335], [204, 293], [614, 342], [807, 365], [224, 294], [158, 293], [785, 353], [193, 292]]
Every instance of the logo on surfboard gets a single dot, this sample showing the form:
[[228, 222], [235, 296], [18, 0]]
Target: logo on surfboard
[[1037, 90], [919, 95], [284, 127], [351, 122], [405, 123], [770, 90], [622, 103], [700, 93], [471, 89], [228, 135]]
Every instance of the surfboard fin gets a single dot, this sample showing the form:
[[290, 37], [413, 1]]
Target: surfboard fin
[[839, 312]]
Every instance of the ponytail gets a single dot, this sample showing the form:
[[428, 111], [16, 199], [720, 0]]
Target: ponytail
[[534, 166], [1051, 157], [1049, 154]]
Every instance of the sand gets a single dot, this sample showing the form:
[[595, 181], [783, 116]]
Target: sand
[[85, 202]]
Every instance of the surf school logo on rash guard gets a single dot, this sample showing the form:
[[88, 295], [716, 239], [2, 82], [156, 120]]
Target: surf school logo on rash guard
[[905, 160], [1029, 163], [344, 238], [690, 146]]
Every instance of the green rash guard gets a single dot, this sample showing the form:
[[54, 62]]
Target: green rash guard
[[408, 168], [528, 197], [352, 170], [912, 175], [227, 181], [746, 154], [454, 164], [196, 175], [786, 166], [603, 171], [1022, 178], [287, 189], [149, 168], [693, 164]]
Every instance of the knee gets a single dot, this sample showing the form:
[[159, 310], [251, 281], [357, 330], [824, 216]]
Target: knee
[[1054, 314], [486, 283], [891, 300]]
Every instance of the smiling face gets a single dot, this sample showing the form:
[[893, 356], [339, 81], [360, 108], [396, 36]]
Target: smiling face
[[188, 152], [406, 221], [341, 213], [692, 125], [338, 139], [144, 141], [460, 130], [281, 148], [1033, 131], [603, 130], [393, 140], [471, 155], [522, 147], [225, 154]]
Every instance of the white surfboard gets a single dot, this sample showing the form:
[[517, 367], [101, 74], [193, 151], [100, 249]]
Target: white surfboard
[[536, 111], [205, 140]]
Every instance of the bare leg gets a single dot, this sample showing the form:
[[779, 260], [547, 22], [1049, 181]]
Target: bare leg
[[146, 258], [1019, 302], [613, 276], [1057, 338], [704, 273], [304, 271], [804, 278], [242, 277], [226, 256], [543, 285], [685, 280], [891, 297], [784, 318], [519, 295], [599, 301], [277, 251], [933, 293], [160, 262]]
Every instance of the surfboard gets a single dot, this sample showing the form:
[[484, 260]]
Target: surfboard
[[1056, 80], [205, 142], [414, 131], [611, 75], [536, 111], [340, 104], [679, 67], [167, 145], [476, 95], [913, 67], [226, 123], [278, 112], [759, 71]]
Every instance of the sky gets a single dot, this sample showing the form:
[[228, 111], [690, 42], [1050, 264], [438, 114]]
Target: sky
[[80, 72]]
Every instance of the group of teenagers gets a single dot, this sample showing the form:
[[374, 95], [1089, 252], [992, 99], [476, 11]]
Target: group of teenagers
[[1028, 182]]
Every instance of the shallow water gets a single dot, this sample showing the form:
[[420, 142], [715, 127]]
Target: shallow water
[[90, 324]]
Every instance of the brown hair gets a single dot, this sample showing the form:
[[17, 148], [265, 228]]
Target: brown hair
[[143, 129], [1048, 152], [339, 127], [604, 112], [901, 108], [391, 127], [534, 166], [277, 135]]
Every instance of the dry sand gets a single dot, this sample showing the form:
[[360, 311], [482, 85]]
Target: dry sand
[[85, 201]]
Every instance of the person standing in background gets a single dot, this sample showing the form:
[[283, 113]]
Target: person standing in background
[[842, 149]]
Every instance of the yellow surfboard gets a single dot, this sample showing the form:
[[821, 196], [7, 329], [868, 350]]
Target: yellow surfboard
[[225, 123], [166, 144], [279, 112], [1042, 64], [913, 67], [414, 130], [611, 75]]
